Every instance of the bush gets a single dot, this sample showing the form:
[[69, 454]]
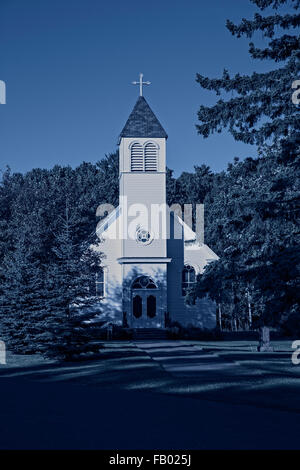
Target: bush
[[177, 331], [117, 333], [291, 326]]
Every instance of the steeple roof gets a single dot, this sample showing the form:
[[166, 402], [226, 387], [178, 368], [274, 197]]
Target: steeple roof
[[142, 122]]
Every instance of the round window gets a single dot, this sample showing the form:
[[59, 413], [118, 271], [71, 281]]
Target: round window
[[143, 236]]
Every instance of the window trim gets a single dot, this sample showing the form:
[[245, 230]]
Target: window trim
[[189, 283], [150, 282], [103, 282], [152, 147]]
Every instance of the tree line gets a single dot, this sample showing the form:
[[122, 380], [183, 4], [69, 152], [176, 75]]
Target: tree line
[[254, 211], [47, 217], [48, 221]]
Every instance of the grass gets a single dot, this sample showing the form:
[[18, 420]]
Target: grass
[[223, 371], [230, 376]]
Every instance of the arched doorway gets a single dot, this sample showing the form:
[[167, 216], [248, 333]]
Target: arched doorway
[[145, 297]]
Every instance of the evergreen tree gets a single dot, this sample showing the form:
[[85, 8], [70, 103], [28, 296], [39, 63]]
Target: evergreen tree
[[21, 303], [252, 223], [38, 197], [254, 208], [260, 110], [44, 307], [69, 303]]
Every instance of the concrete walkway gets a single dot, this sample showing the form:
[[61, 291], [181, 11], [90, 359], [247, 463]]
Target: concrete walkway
[[183, 359]]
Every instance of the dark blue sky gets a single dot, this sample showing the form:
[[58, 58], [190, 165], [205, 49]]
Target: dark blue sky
[[68, 67]]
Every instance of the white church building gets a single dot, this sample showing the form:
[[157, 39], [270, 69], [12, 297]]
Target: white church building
[[151, 257]]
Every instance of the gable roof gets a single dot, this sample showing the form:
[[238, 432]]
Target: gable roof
[[142, 122]]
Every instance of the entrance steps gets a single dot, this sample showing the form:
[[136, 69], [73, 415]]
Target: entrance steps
[[149, 333]]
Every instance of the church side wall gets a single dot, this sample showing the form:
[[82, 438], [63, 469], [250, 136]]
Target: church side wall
[[111, 305], [203, 313]]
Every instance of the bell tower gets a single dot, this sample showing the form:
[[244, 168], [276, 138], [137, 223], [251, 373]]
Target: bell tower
[[143, 216], [142, 153]]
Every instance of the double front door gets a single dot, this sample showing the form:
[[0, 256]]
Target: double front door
[[144, 308]]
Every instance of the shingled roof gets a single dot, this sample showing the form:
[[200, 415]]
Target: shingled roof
[[142, 122]]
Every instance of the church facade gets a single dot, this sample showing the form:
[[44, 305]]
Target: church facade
[[151, 257]]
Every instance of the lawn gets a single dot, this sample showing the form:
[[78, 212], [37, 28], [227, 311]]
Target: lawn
[[159, 394]]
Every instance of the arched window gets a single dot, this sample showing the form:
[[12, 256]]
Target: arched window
[[143, 282], [188, 279], [137, 157], [143, 158], [150, 157]]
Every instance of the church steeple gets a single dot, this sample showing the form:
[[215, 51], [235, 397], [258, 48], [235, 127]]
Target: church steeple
[[142, 122]]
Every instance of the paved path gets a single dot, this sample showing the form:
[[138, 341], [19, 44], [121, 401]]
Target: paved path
[[183, 359], [233, 374]]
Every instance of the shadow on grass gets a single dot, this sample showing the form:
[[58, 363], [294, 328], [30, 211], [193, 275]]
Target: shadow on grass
[[178, 368]]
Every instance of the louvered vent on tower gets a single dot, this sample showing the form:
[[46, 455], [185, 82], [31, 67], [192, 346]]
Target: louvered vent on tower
[[150, 157], [137, 160]]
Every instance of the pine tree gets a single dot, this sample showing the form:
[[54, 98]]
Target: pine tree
[[68, 301], [21, 305], [252, 224], [254, 216], [261, 110], [217, 281]]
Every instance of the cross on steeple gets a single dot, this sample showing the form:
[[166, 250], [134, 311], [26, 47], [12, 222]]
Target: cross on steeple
[[141, 83]]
